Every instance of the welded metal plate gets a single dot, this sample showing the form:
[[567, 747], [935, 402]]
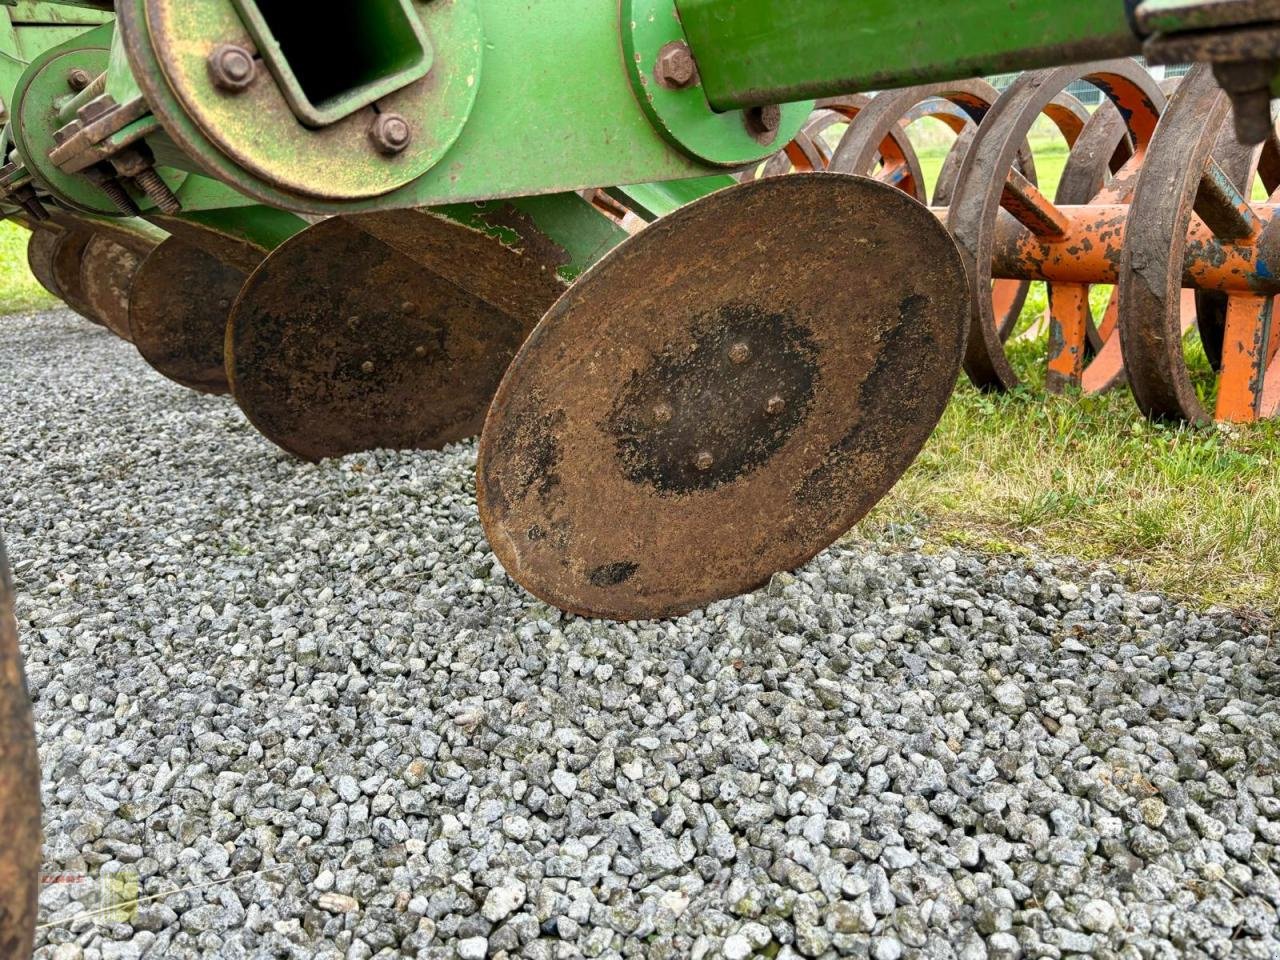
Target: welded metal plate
[[257, 129], [722, 396], [19, 789], [178, 309], [106, 274], [341, 342]]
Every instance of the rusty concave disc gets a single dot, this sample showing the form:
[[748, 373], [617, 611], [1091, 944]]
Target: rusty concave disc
[[68, 257], [341, 342], [178, 311], [722, 396], [106, 276], [40, 249]]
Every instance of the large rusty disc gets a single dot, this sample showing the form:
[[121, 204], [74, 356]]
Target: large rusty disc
[[178, 309], [111, 260], [68, 255], [705, 407], [40, 249], [342, 342], [19, 789]]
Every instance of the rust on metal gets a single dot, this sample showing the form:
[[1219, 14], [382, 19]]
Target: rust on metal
[[1190, 205], [961, 105], [178, 309], [383, 331], [110, 261], [68, 255], [19, 790], [705, 407], [983, 190], [40, 250]]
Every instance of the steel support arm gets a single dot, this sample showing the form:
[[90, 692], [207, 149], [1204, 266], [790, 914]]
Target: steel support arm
[[757, 52]]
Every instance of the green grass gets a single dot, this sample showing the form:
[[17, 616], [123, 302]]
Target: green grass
[[19, 291], [1051, 160], [1195, 513]]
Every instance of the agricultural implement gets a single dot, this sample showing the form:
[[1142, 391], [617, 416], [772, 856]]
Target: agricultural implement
[[577, 234]]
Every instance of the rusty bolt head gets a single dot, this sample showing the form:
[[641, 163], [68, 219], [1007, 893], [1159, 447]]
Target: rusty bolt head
[[391, 134], [775, 405], [78, 78], [663, 412], [704, 461], [739, 353], [675, 68], [232, 68], [763, 122]]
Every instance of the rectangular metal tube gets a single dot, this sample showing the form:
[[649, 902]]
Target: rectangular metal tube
[[756, 52]]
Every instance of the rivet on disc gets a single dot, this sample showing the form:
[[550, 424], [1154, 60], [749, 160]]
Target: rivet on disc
[[775, 405], [663, 412], [739, 353], [704, 460], [367, 366], [419, 351]]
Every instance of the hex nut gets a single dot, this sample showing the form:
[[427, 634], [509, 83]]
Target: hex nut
[[391, 134], [232, 68], [763, 122], [675, 68]]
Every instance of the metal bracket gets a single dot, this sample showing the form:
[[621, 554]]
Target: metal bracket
[[665, 81]]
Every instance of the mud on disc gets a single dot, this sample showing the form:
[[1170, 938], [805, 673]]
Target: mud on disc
[[722, 396], [178, 308], [341, 343], [110, 261]]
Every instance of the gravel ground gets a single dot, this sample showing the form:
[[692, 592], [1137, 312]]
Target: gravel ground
[[317, 680]]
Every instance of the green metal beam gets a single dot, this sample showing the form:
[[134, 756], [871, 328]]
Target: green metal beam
[[756, 52]]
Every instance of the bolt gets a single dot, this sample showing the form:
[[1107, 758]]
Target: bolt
[[704, 461], [390, 133], [112, 188], [367, 366], [763, 122], [26, 198], [739, 353], [675, 68], [232, 68], [419, 352], [78, 78], [157, 191], [775, 405], [35, 210], [663, 412]]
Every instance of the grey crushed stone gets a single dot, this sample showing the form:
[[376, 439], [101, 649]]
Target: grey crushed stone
[[242, 663]]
